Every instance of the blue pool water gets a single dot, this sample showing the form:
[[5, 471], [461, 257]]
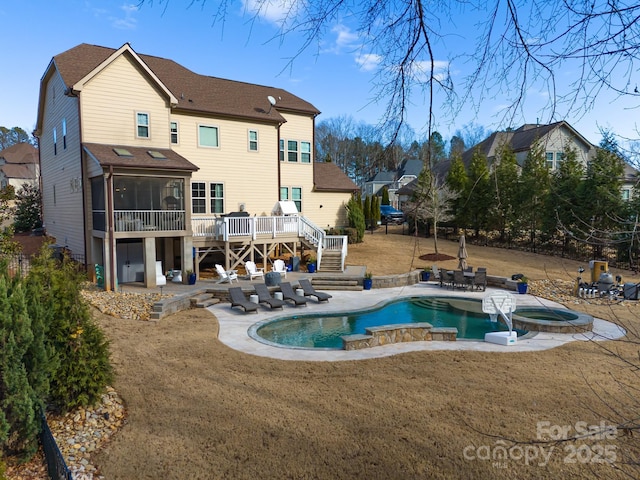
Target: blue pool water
[[325, 331]]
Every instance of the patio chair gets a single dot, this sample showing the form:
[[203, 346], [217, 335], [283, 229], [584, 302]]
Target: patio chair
[[480, 280], [309, 291], [459, 280], [239, 300], [160, 278], [280, 267], [252, 270], [264, 296], [289, 294], [226, 275], [446, 279]]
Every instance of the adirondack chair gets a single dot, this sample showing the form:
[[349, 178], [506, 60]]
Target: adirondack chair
[[252, 270], [226, 276]]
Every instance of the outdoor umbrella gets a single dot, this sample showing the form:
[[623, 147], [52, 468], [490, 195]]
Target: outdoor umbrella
[[462, 254]]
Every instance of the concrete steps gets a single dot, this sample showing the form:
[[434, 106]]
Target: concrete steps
[[337, 283], [204, 300]]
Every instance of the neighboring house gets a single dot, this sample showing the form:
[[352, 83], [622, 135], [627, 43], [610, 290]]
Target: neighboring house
[[553, 138], [19, 166], [143, 161], [408, 171]]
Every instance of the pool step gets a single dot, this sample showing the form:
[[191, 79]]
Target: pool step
[[432, 303]]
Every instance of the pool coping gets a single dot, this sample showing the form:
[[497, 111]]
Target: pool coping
[[235, 324]]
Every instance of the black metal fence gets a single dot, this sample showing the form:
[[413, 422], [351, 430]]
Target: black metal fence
[[56, 465], [21, 263]]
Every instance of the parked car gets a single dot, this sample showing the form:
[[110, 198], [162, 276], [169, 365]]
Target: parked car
[[388, 214]]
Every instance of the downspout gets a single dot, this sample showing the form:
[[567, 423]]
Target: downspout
[[278, 160], [112, 246], [84, 198]]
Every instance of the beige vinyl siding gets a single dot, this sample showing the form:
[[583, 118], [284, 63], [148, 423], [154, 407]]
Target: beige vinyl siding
[[111, 100], [249, 178], [298, 174], [63, 218], [333, 212]]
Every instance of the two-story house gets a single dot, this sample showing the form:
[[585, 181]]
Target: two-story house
[[143, 161], [19, 166]]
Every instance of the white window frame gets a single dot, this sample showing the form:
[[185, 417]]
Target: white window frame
[[64, 133], [173, 133], [305, 154], [252, 142], [285, 191], [140, 125], [296, 151], [213, 198], [281, 150], [55, 141], [202, 186], [298, 201], [626, 194], [217, 129]]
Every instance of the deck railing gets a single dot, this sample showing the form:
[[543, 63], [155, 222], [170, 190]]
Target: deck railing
[[225, 228], [148, 220]]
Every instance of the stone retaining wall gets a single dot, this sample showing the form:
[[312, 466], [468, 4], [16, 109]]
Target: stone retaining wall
[[402, 332], [411, 278]]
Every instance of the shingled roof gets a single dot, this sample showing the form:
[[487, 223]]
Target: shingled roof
[[328, 177], [194, 92], [20, 153], [139, 157]]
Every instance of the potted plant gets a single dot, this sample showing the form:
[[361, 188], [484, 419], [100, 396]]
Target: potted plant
[[311, 265], [367, 282], [523, 283], [425, 274], [191, 277]]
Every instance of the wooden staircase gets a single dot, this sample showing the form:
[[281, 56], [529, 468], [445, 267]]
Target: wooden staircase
[[331, 261]]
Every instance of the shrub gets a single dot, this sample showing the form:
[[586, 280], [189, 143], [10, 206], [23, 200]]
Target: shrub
[[356, 218]]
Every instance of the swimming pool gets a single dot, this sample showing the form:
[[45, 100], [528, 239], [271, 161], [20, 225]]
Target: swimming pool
[[326, 331]]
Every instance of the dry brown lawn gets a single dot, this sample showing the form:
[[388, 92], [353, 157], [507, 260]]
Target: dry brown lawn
[[199, 410]]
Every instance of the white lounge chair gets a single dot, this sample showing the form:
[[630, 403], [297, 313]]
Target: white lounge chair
[[252, 270], [280, 267], [226, 275]]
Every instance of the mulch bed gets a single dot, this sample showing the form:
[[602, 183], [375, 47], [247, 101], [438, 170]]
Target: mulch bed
[[436, 257]]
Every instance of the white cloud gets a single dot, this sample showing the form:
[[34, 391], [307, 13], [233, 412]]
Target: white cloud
[[274, 11], [368, 61], [128, 22], [422, 70]]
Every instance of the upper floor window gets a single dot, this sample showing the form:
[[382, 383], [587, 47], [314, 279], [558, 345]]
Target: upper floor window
[[305, 152], [174, 132], [198, 197], [549, 157], [559, 158], [281, 152], [208, 136], [217, 197], [142, 124], [253, 140], [64, 133], [284, 193], [55, 141], [292, 150], [626, 194]]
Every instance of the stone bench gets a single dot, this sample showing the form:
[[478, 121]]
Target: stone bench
[[398, 333]]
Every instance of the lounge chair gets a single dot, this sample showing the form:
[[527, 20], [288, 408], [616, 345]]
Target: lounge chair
[[280, 267], [435, 271], [289, 294], [239, 300], [309, 291], [264, 296], [226, 275], [252, 270]]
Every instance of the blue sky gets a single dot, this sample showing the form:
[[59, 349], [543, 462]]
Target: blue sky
[[337, 77]]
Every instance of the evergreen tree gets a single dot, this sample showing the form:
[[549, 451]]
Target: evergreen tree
[[366, 209], [478, 193], [534, 187], [385, 196], [28, 208], [505, 188], [356, 218], [456, 182]]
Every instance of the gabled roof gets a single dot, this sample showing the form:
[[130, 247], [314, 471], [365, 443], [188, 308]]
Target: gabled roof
[[383, 177], [410, 167], [139, 157], [328, 177], [186, 90], [520, 139], [18, 171], [20, 153]]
